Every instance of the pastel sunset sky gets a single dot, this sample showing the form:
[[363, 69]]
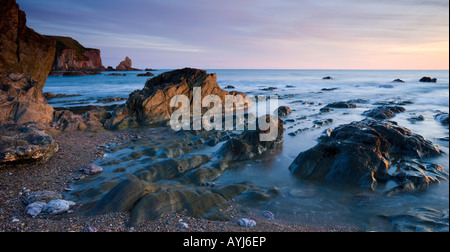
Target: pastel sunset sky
[[254, 34]]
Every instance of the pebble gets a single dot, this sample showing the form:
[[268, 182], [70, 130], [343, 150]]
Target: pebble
[[35, 208], [58, 206], [91, 169], [268, 215], [244, 222]]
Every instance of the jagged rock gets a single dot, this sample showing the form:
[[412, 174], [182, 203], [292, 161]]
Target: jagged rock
[[249, 145], [283, 111], [25, 61], [416, 176], [93, 119], [25, 144], [72, 56], [152, 104], [384, 112], [359, 154], [421, 220], [126, 65], [342, 104]]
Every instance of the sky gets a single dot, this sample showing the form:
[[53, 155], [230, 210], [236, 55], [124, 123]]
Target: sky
[[253, 34]]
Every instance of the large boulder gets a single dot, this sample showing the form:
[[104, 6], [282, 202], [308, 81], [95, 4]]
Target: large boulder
[[25, 61], [250, 144], [25, 144], [360, 153], [152, 104]]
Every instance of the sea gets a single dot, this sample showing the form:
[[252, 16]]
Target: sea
[[306, 92]]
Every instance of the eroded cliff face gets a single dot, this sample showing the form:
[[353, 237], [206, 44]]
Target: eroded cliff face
[[72, 56], [25, 61]]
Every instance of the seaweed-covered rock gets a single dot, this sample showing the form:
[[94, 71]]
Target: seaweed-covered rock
[[359, 154], [384, 112]]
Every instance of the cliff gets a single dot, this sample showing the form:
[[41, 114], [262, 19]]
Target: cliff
[[72, 56], [25, 61]]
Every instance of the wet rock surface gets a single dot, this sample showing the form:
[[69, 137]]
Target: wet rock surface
[[161, 175], [360, 154], [384, 112], [421, 220]]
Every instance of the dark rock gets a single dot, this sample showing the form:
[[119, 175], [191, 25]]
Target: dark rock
[[150, 70], [428, 79], [416, 119], [117, 74], [327, 78], [416, 176], [148, 74], [269, 89], [249, 144], [329, 89], [358, 154], [323, 122], [25, 144], [398, 80], [80, 73], [50, 96], [384, 112], [326, 110], [283, 111], [443, 118], [112, 99], [110, 68], [421, 220], [342, 104]]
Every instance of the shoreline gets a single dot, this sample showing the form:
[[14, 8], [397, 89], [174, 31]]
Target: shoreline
[[77, 149]]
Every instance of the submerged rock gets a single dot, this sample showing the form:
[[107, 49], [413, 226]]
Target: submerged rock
[[92, 169], [25, 144], [342, 104], [421, 220], [384, 112], [358, 154], [428, 79], [443, 118]]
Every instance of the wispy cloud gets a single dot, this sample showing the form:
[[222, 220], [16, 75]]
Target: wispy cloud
[[259, 33]]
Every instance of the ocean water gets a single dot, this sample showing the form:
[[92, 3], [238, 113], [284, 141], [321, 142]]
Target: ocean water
[[302, 90]]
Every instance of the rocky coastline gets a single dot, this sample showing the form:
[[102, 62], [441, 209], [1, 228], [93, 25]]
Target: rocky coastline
[[122, 168]]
